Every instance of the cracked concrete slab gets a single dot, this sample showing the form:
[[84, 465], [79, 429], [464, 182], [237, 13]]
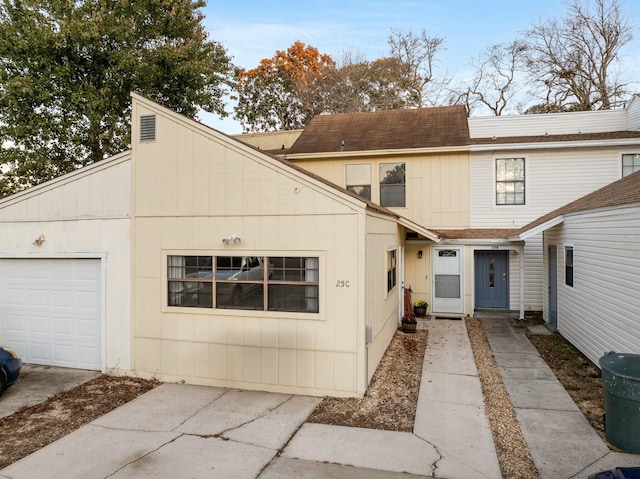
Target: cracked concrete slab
[[170, 409], [462, 436], [367, 448], [216, 459], [232, 409], [89, 452], [274, 429]]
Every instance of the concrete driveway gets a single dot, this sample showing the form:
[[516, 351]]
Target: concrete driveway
[[37, 383]]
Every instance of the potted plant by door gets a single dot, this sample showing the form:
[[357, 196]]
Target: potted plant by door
[[409, 325], [420, 308]]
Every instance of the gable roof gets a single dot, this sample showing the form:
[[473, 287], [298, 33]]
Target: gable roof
[[622, 192], [385, 130]]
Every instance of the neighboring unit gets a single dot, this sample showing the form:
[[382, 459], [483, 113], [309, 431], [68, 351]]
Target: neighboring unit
[[591, 268]]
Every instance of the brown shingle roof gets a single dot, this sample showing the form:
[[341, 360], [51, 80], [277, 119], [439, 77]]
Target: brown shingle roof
[[610, 135], [385, 130], [621, 192], [481, 234]]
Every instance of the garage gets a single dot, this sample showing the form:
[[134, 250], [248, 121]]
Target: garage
[[51, 310]]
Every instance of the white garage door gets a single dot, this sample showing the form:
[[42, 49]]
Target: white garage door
[[50, 311]]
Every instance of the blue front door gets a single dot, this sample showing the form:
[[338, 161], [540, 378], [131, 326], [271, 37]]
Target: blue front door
[[492, 279]]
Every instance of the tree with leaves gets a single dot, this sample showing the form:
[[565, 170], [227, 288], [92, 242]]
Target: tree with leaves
[[67, 68], [572, 60], [283, 92]]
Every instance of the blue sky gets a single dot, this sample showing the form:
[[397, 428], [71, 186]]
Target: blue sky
[[251, 30]]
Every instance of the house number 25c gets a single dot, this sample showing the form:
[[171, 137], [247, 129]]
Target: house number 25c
[[342, 284]]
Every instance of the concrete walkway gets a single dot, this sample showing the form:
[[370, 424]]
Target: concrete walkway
[[177, 431], [561, 441]]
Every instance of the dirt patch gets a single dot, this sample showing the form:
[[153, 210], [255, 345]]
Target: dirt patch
[[33, 427], [390, 402]]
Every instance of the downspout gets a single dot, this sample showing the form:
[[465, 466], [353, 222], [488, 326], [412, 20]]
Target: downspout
[[521, 254]]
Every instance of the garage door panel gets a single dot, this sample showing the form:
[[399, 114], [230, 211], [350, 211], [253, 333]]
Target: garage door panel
[[50, 310]]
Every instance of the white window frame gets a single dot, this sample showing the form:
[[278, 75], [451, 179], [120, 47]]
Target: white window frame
[[622, 155], [370, 184], [565, 248], [494, 191]]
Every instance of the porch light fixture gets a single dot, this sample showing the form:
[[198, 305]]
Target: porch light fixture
[[233, 238], [419, 253], [38, 241]]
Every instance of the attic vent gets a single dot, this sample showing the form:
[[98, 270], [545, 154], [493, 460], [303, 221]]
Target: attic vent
[[147, 128]]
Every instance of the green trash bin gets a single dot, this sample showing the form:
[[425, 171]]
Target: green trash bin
[[621, 381]]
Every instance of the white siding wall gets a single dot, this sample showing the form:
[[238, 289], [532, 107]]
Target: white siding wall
[[633, 119], [552, 123], [553, 179], [87, 214], [602, 311]]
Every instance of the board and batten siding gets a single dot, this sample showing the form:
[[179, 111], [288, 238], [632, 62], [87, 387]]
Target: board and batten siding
[[382, 306], [437, 184], [194, 187], [601, 312], [84, 214]]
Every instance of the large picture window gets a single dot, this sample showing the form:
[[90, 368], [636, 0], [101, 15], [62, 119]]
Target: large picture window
[[359, 180], [392, 184], [510, 181], [630, 163], [265, 283]]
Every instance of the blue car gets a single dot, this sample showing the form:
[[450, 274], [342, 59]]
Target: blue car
[[10, 365]]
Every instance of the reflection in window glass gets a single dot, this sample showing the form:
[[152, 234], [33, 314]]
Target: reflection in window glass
[[630, 163], [189, 281], [287, 283], [359, 180], [392, 184], [510, 181]]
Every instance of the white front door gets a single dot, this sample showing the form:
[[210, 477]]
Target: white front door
[[448, 295], [51, 311]]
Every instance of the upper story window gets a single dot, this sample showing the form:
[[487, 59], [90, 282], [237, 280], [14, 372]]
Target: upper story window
[[630, 163], [263, 283], [392, 184], [510, 181], [359, 180]]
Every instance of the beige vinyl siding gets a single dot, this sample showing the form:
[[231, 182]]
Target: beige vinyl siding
[[273, 140], [382, 307], [601, 312], [195, 187], [437, 185], [85, 214], [551, 123]]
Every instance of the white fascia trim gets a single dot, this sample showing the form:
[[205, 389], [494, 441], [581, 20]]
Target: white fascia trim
[[402, 221], [540, 228], [370, 153], [542, 145], [484, 242]]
